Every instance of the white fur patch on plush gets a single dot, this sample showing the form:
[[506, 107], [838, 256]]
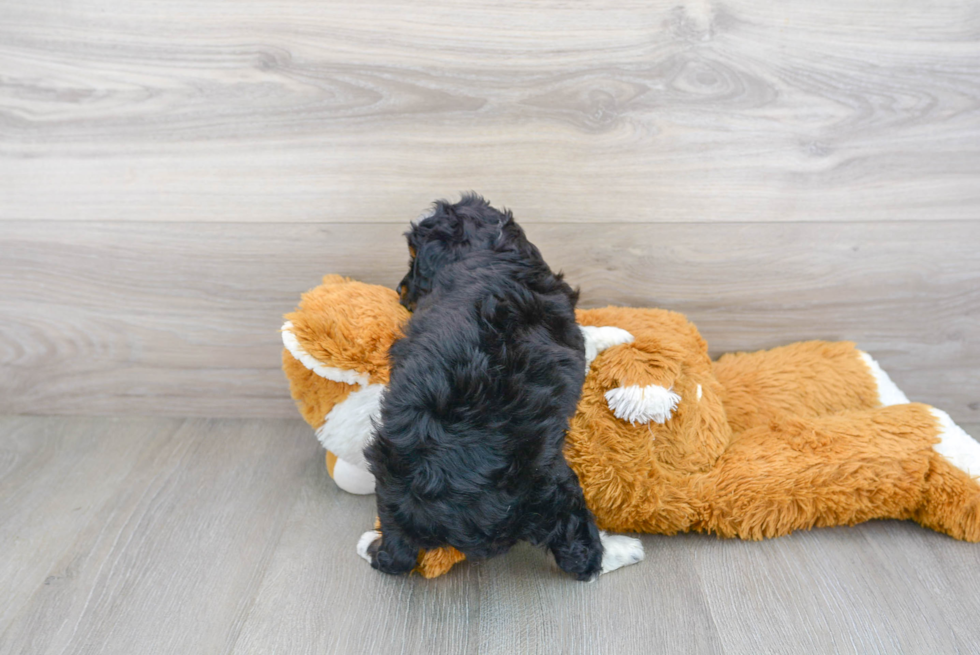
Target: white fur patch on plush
[[643, 404], [292, 344], [353, 479], [956, 445], [619, 551], [599, 338], [366, 540], [699, 393], [347, 429], [888, 391]]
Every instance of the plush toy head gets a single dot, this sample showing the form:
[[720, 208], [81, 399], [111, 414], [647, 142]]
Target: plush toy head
[[336, 360]]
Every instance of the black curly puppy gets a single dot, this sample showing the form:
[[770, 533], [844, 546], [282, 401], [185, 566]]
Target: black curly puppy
[[468, 452]]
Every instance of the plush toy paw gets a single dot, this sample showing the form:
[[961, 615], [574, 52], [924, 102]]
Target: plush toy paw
[[350, 478], [365, 542], [643, 404], [619, 551]]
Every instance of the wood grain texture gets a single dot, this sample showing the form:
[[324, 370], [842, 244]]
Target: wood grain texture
[[806, 588], [665, 111], [162, 554], [47, 493], [212, 537], [183, 319]]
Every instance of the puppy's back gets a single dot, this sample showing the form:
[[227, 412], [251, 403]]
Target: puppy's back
[[482, 387]]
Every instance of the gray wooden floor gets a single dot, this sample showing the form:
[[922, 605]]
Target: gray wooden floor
[[161, 535]]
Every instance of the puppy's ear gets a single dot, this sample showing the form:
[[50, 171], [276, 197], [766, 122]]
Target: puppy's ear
[[512, 237], [445, 225], [413, 246]]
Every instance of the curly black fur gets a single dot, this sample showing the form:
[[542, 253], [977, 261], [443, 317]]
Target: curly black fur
[[450, 233], [468, 452]]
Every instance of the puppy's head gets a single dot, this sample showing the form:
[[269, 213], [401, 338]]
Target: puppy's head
[[447, 234]]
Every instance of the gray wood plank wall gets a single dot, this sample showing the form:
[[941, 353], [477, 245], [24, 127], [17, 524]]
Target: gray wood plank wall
[[173, 176]]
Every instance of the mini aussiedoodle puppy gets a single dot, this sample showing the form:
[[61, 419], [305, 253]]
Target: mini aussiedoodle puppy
[[468, 452]]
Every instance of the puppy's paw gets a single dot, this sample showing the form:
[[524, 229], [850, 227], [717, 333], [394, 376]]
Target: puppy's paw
[[619, 551], [643, 404], [365, 542]]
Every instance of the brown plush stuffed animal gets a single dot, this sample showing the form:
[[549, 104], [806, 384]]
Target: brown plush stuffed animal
[[752, 445]]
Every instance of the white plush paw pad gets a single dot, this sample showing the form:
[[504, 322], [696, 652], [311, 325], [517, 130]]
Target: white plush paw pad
[[888, 391], [598, 338], [353, 479], [642, 404], [956, 445], [619, 551], [366, 540]]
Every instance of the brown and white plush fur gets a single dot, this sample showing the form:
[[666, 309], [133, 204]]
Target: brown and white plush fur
[[664, 440], [336, 359]]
